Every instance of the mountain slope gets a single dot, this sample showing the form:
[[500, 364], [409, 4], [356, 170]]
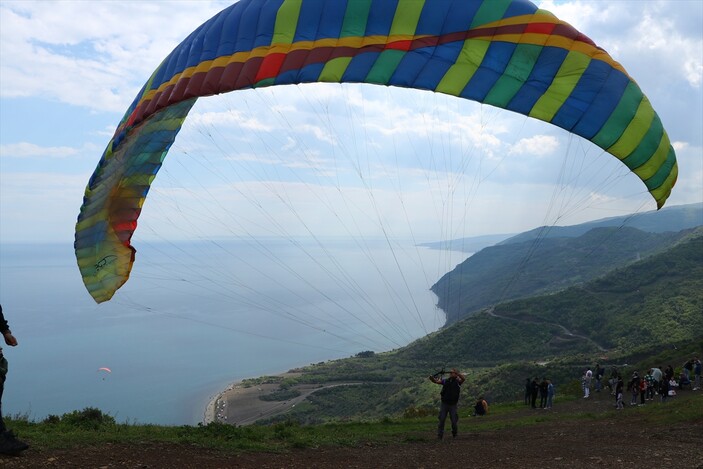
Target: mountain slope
[[646, 314], [521, 269], [676, 218], [650, 303]]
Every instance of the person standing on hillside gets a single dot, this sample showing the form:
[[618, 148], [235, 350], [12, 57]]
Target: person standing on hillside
[[8, 443], [669, 372], [651, 384], [664, 390], [634, 387], [696, 373], [534, 389], [657, 375], [598, 373], [550, 394], [543, 393], [643, 390], [451, 389], [688, 369], [618, 393], [613, 381], [586, 383], [528, 391]]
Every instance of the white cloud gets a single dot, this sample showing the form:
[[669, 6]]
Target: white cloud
[[227, 118], [319, 133], [667, 33], [31, 150], [539, 145], [24, 149], [96, 55], [679, 146], [289, 145], [689, 185]]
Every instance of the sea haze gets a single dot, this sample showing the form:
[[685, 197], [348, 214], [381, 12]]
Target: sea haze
[[195, 317]]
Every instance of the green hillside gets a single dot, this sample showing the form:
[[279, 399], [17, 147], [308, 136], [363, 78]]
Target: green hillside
[[518, 270], [646, 314], [657, 301]]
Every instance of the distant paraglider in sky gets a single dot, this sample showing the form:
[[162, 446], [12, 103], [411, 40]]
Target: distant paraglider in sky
[[507, 54]]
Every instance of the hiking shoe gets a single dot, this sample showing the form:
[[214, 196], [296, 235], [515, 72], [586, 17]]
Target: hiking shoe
[[11, 445]]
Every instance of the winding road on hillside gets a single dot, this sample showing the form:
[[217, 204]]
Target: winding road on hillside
[[567, 332]]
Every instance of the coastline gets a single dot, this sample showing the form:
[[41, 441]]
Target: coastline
[[239, 403], [211, 408]]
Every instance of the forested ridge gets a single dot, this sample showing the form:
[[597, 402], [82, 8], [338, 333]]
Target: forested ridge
[[550, 259]]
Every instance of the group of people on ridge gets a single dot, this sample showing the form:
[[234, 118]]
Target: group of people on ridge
[[644, 388], [545, 389]]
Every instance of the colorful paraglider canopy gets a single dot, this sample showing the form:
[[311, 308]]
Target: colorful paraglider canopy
[[105, 369], [508, 54]]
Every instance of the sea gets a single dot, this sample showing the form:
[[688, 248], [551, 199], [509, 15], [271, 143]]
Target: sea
[[196, 316]]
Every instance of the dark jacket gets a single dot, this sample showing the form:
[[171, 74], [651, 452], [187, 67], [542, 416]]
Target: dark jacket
[[3, 324], [451, 388]]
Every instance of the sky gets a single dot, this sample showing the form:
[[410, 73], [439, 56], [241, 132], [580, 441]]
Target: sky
[[322, 160]]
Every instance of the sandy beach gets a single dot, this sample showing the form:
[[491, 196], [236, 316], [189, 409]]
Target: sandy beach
[[240, 403]]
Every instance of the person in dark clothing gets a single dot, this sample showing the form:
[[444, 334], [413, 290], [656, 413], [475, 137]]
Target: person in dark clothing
[[8, 443], [598, 372], [613, 381], [669, 372], [619, 386], [481, 407], [451, 388], [528, 391], [664, 390], [688, 369], [534, 389], [543, 391]]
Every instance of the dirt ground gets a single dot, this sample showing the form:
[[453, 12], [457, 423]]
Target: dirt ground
[[622, 441]]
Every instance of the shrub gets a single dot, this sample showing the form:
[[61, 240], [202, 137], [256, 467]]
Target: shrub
[[52, 419], [89, 418]]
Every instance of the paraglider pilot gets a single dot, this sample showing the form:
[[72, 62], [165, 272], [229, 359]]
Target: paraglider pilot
[[451, 388], [8, 443]]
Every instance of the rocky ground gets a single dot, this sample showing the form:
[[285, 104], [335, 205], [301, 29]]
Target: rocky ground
[[619, 441]]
